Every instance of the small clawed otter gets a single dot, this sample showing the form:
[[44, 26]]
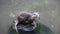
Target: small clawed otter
[[25, 18]]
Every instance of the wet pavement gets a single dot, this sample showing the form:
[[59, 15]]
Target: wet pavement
[[49, 11]]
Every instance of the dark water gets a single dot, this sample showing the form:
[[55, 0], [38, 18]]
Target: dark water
[[41, 29]]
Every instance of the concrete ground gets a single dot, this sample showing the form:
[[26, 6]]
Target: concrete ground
[[49, 11]]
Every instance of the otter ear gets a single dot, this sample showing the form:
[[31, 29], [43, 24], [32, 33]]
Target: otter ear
[[36, 13]]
